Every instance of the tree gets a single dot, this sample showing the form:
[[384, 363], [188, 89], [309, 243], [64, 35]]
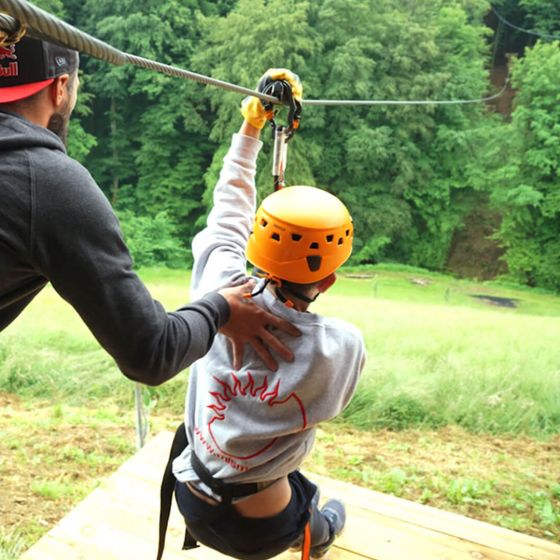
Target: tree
[[397, 167], [154, 149], [528, 184], [256, 35], [543, 16], [80, 142]]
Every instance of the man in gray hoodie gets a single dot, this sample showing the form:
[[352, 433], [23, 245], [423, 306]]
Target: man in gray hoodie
[[248, 431], [57, 226]]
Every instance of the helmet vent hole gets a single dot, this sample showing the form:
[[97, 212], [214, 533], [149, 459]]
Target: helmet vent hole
[[314, 263], [275, 236], [296, 236], [314, 245], [347, 232], [264, 223], [340, 241], [330, 238]]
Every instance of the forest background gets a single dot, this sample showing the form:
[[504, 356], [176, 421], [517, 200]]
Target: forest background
[[471, 189], [458, 407]]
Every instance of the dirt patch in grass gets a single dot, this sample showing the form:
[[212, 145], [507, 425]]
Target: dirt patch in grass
[[53, 456], [50, 458]]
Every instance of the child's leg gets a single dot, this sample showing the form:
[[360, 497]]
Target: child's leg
[[320, 530], [325, 524]]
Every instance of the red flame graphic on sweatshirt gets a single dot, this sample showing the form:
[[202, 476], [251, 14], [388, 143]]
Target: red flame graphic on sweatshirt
[[235, 394]]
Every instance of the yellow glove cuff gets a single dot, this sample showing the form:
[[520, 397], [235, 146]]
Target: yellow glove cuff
[[253, 112]]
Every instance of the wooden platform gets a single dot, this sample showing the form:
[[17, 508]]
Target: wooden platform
[[119, 521]]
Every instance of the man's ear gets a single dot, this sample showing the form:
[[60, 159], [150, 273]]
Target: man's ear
[[326, 283], [59, 90]]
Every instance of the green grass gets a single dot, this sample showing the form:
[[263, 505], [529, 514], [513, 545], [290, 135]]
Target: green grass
[[437, 359], [483, 369], [436, 356], [12, 544]]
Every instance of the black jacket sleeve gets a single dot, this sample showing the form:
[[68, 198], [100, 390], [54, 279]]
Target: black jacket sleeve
[[77, 244]]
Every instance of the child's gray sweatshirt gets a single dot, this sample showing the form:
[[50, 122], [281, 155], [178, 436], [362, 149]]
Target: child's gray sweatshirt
[[254, 425]]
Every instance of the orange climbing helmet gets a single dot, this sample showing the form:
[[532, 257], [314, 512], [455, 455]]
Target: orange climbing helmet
[[301, 235]]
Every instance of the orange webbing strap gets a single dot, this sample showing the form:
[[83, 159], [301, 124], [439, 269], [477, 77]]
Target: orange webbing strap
[[306, 547]]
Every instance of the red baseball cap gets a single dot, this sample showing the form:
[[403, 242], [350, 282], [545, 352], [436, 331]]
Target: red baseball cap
[[30, 65]]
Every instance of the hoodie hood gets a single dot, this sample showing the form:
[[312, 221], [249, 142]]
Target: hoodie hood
[[17, 133]]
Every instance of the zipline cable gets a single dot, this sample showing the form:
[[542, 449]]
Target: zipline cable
[[342, 102], [528, 31], [49, 27]]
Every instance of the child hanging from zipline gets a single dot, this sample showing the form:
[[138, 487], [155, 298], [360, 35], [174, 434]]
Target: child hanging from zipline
[[238, 484]]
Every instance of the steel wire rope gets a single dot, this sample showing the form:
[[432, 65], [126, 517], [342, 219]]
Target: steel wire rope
[[49, 27], [528, 31]]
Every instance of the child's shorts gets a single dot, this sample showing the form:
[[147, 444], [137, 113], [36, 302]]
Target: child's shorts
[[222, 528]]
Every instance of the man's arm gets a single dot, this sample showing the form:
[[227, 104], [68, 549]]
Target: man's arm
[[77, 244]]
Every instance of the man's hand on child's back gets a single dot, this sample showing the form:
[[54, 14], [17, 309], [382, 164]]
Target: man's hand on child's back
[[249, 323]]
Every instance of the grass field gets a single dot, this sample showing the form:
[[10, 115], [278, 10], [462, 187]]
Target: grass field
[[459, 404]]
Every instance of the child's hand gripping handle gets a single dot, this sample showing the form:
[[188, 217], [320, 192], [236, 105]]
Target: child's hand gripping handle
[[282, 84]]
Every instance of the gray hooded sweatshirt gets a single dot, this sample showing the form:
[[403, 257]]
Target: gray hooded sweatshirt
[[56, 225], [254, 425]]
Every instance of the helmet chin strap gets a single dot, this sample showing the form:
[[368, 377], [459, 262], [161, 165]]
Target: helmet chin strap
[[260, 290], [298, 295], [277, 290]]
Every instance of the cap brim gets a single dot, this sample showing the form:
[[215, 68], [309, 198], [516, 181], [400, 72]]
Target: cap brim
[[16, 93]]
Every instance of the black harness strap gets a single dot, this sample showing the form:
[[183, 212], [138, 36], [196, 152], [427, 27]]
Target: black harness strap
[[166, 492], [225, 490]]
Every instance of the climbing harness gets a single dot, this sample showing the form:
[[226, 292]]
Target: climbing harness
[[167, 489], [281, 134], [227, 492], [48, 27]]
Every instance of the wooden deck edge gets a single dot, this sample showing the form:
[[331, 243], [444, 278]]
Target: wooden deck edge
[[118, 521]]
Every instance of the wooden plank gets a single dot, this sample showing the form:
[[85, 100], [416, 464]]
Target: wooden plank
[[118, 521], [452, 524]]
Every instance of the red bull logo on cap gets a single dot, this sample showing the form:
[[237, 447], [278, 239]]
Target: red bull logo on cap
[[8, 52], [12, 70]]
